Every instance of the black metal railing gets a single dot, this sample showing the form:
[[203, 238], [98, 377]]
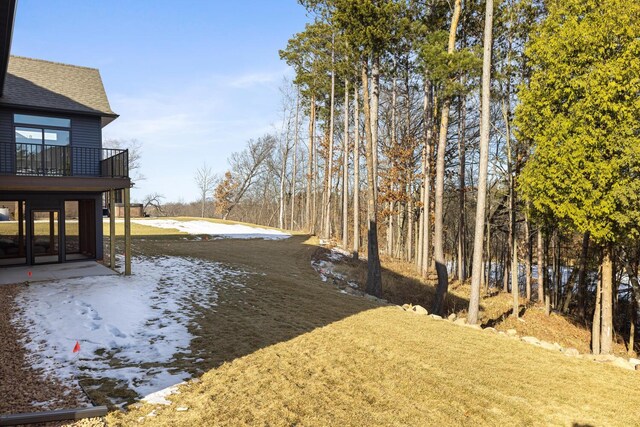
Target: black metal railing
[[56, 160]]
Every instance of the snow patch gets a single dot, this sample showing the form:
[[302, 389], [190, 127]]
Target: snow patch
[[129, 328], [235, 231], [160, 397]]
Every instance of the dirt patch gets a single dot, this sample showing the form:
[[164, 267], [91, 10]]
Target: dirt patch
[[565, 330], [24, 389]]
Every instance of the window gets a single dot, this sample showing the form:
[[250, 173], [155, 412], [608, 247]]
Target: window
[[42, 145], [26, 119]]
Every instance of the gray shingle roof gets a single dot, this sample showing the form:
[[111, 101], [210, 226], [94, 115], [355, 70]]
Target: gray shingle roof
[[52, 85]]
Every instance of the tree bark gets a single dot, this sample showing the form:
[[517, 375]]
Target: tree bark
[[462, 253], [309, 203], [356, 172], [606, 327], [426, 179], [441, 267], [329, 180], [374, 274], [295, 160], [477, 268], [527, 242], [596, 326], [345, 169], [540, 267]]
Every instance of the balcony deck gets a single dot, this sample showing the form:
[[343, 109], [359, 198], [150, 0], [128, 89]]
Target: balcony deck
[[38, 167]]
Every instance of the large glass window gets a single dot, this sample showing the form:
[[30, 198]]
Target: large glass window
[[41, 145], [26, 119]]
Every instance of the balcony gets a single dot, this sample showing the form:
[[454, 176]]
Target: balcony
[[42, 167], [54, 160]]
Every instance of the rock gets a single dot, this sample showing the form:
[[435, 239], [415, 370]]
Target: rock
[[637, 367], [572, 352], [489, 329], [512, 332], [182, 409], [501, 333], [460, 321], [634, 361], [623, 363], [435, 317], [406, 307], [548, 346], [451, 317], [604, 357], [418, 309], [531, 340]]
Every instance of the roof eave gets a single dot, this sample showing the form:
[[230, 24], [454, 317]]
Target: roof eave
[[7, 19], [106, 118]]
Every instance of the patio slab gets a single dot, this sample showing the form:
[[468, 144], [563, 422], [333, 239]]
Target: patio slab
[[49, 272]]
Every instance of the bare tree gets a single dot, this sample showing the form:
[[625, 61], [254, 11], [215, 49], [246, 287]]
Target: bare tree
[[205, 180], [154, 201], [246, 167], [135, 155]]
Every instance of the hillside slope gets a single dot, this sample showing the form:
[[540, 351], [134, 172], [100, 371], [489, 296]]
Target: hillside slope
[[386, 366]]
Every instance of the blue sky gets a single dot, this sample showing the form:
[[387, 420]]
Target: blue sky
[[191, 80]]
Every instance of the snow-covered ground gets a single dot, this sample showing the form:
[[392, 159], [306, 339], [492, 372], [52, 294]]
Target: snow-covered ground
[[129, 328], [235, 231]]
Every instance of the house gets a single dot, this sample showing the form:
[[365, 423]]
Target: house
[[54, 172]]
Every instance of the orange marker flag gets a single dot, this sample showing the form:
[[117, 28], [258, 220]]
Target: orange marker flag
[[76, 348]]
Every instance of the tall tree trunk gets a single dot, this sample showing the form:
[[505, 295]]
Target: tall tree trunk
[[597, 316], [633, 319], [528, 255], [345, 170], [462, 253], [283, 174], [356, 172], [375, 102], [309, 203], [426, 179], [374, 274], [329, 180], [477, 269], [295, 160], [540, 267], [606, 325], [438, 242]]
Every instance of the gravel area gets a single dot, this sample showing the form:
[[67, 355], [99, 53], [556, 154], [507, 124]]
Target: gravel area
[[24, 389]]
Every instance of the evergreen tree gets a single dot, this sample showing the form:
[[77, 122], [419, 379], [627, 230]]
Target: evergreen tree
[[581, 109]]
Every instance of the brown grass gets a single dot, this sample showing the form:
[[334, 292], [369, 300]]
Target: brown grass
[[388, 367]]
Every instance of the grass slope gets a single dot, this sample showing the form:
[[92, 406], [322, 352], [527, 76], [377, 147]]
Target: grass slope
[[388, 367]]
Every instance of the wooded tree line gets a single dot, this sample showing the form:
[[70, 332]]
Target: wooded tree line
[[395, 137]]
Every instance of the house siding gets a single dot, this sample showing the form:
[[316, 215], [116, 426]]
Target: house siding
[[86, 138], [7, 154]]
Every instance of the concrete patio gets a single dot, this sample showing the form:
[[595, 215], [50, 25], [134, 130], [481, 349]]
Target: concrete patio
[[39, 273]]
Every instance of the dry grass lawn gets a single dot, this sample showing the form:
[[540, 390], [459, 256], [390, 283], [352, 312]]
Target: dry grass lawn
[[385, 366], [288, 349], [292, 350]]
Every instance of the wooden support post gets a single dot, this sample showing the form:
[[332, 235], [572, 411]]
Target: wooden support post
[[21, 239], [112, 229], [51, 232], [127, 233]]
